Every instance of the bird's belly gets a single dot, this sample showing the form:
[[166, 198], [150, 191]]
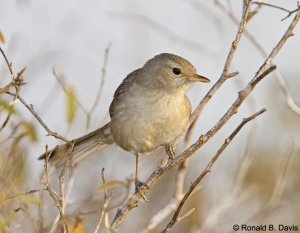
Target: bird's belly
[[140, 129]]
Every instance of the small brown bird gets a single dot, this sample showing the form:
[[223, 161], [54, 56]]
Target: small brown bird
[[149, 109]]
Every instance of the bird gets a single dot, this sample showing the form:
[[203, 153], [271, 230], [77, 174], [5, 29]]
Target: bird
[[149, 109]]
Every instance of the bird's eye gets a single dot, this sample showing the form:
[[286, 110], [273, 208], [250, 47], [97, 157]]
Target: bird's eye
[[176, 71]]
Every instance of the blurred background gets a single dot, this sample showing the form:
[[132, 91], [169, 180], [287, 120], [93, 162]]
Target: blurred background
[[88, 45]]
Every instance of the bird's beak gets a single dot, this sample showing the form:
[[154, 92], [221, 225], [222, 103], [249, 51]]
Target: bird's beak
[[198, 78]]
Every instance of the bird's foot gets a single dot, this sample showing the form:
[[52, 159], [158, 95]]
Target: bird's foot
[[164, 161], [170, 150], [138, 185]]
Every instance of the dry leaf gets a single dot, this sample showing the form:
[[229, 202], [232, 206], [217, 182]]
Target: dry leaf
[[79, 226], [2, 40], [29, 199], [71, 105], [30, 131], [110, 185]]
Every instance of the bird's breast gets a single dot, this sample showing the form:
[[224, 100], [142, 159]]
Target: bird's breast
[[144, 120]]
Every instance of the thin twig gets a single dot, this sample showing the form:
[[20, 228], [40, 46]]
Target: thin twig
[[55, 197], [254, 11], [33, 112], [179, 218], [105, 205], [279, 8], [209, 167], [225, 73], [288, 33], [61, 80], [46, 182], [162, 30], [9, 65], [101, 85], [16, 83], [23, 194], [281, 81]]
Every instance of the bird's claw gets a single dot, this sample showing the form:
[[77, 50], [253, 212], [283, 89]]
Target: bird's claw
[[138, 185]]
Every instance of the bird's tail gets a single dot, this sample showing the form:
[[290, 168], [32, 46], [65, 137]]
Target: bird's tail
[[83, 147]]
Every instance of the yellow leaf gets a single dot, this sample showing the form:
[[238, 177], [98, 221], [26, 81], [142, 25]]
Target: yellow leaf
[[107, 230], [30, 131], [28, 199], [71, 105], [2, 40], [110, 185], [3, 226], [2, 196], [79, 226]]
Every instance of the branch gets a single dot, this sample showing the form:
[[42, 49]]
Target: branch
[[101, 85], [225, 73], [279, 8], [16, 82], [105, 205], [33, 112], [208, 168], [60, 77], [162, 30], [288, 33], [281, 81]]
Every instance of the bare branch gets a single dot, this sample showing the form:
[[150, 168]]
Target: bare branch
[[9, 65], [281, 81], [178, 219], [23, 194], [288, 33], [33, 112], [101, 85], [279, 8], [105, 205], [61, 80], [208, 168], [163, 30], [16, 82], [225, 73]]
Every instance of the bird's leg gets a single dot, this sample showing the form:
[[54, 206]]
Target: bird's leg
[[170, 150], [137, 182], [171, 154]]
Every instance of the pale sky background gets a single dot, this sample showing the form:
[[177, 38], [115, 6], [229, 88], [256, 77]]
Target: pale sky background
[[72, 36]]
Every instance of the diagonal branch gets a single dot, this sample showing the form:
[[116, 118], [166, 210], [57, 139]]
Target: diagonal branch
[[208, 168], [281, 81], [225, 73], [279, 8], [33, 112]]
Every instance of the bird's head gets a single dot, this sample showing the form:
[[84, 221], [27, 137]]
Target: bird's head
[[170, 72]]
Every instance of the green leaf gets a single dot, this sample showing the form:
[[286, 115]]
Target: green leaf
[[8, 107], [71, 105]]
